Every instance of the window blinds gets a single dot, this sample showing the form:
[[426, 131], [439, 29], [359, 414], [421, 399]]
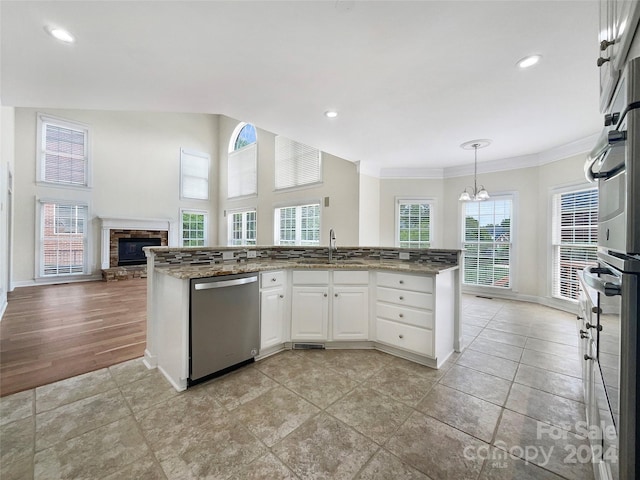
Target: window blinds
[[64, 154], [194, 173], [242, 172], [296, 164], [575, 238]]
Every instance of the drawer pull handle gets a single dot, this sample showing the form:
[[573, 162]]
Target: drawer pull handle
[[274, 279], [588, 357], [401, 298], [401, 315]]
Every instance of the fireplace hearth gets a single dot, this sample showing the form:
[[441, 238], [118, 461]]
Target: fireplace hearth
[[130, 250]]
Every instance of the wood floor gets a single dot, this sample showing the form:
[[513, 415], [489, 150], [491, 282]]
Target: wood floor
[[53, 332]]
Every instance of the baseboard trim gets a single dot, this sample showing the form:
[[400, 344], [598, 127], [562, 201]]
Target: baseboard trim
[[3, 308], [55, 281], [150, 361], [564, 305]]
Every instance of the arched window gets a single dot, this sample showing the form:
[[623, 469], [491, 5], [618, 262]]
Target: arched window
[[242, 165]]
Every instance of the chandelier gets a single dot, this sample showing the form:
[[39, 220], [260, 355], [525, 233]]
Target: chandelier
[[475, 193]]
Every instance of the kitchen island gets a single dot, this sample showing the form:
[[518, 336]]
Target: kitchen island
[[405, 302]]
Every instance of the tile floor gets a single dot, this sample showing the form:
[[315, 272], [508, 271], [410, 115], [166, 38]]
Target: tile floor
[[322, 414]]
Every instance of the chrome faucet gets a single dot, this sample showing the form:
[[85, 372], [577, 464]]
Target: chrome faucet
[[332, 244]]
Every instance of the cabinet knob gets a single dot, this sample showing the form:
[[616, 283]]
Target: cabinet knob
[[597, 327], [604, 44], [335, 294], [401, 298], [401, 282], [281, 296], [401, 315], [325, 294], [601, 61], [273, 279], [400, 336], [588, 357]]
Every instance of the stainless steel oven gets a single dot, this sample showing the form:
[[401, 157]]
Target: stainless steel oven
[[615, 165]]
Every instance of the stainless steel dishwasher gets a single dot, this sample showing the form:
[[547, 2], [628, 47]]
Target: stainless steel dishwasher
[[224, 325]]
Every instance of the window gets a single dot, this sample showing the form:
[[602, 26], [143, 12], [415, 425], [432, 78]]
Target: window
[[63, 243], [414, 223], [242, 228], [64, 152], [298, 225], [242, 165], [194, 228], [575, 238], [486, 243], [296, 164], [194, 175]]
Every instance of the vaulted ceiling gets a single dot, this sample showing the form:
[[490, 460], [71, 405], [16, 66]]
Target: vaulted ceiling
[[410, 80]]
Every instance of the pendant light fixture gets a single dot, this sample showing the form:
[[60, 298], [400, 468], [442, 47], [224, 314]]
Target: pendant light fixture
[[475, 193]]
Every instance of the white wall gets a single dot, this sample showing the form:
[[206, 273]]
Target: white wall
[[340, 183], [6, 201], [135, 169]]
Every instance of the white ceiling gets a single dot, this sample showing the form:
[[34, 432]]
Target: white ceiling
[[411, 80]]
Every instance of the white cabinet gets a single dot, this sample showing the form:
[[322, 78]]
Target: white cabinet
[[350, 313], [272, 309], [309, 312], [330, 305]]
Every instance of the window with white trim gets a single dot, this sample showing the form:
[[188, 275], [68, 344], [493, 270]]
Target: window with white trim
[[242, 227], [194, 228], [242, 162], [194, 175], [413, 229], [574, 238], [296, 164], [63, 152], [297, 225], [63, 238], [486, 243]]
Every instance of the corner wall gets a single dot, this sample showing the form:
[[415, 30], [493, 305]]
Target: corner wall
[[7, 167]]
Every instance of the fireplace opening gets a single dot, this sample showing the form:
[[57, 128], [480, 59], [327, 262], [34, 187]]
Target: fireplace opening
[[130, 250]]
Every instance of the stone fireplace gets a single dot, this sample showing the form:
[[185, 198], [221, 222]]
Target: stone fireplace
[[122, 242]]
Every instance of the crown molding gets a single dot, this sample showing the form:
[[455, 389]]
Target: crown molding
[[577, 147]]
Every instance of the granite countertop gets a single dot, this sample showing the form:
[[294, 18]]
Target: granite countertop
[[185, 272]]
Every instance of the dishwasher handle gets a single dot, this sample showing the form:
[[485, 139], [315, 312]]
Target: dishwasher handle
[[225, 283]]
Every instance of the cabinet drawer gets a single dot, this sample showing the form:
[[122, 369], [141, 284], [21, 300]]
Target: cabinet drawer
[[406, 282], [341, 277], [307, 277], [407, 337], [272, 279], [412, 316], [405, 298]]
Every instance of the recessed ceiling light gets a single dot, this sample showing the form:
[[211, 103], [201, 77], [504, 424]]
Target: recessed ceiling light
[[331, 114], [60, 34], [529, 61]]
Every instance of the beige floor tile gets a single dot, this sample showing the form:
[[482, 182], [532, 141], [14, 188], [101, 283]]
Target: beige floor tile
[[321, 386], [508, 327], [17, 442], [147, 391], [146, 468], [469, 319], [56, 394], [401, 384], [546, 407], [487, 387], [551, 347], [131, 371], [503, 337], [468, 329], [436, 449], [267, 467], [81, 416], [106, 450], [356, 364], [567, 365], [552, 451], [324, 447], [274, 414], [21, 469], [17, 406], [370, 413], [240, 387], [551, 382], [464, 412], [502, 466], [497, 349], [570, 339], [500, 367], [384, 466], [422, 370], [284, 366]]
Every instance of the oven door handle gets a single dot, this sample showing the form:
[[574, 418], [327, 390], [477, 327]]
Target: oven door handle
[[610, 289]]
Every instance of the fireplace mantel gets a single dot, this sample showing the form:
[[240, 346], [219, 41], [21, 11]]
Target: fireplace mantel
[[112, 223]]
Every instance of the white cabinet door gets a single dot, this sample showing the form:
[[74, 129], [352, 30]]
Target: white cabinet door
[[272, 317], [309, 313], [350, 313]]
